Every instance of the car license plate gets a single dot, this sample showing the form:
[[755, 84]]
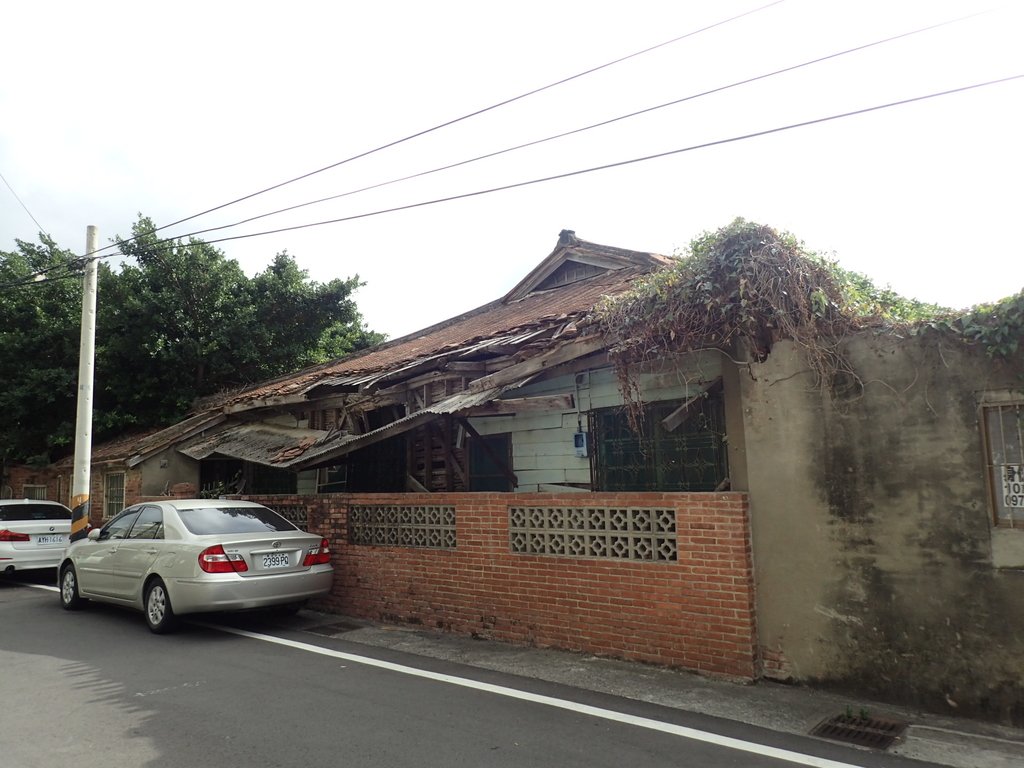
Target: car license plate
[[50, 538], [276, 560]]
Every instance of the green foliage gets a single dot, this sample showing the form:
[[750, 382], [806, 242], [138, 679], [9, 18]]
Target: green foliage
[[179, 321], [999, 327], [748, 285], [39, 336], [749, 281], [863, 299], [743, 282]]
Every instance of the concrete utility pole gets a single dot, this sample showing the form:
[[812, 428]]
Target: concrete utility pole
[[83, 422]]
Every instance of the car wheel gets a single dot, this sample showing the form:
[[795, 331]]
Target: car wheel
[[159, 614], [70, 600]]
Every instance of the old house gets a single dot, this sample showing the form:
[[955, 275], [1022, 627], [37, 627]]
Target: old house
[[744, 510]]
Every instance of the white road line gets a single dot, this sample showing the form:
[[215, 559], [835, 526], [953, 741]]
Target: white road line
[[607, 714]]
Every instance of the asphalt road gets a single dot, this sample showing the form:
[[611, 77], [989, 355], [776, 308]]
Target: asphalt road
[[96, 688]]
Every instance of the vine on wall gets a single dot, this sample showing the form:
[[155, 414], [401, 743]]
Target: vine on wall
[[749, 284]]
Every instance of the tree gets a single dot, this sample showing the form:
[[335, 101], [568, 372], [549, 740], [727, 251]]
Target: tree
[[40, 322], [184, 322], [177, 322], [289, 309]]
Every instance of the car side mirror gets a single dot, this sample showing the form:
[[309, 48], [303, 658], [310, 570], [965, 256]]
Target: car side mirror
[[94, 534]]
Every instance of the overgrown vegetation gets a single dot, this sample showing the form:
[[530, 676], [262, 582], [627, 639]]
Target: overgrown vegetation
[[998, 327], [748, 286]]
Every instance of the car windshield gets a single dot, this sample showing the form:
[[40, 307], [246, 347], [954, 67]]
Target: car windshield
[[12, 512], [213, 520]]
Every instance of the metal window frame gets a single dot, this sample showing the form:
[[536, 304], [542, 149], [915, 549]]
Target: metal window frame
[[107, 514], [657, 446], [35, 487], [998, 402]]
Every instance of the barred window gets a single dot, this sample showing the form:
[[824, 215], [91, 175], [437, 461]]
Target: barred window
[[607, 532], [1004, 457], [113, 493], [680, 446], [402, 526], [37, 492]]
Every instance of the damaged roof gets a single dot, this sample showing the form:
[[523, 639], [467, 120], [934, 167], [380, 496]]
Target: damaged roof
[[512, 320], [538, 315]]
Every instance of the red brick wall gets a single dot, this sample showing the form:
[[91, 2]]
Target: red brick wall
[[17, 476], [696, 613], [58, 484]]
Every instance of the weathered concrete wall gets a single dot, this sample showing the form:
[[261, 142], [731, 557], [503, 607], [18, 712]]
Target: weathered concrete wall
[[872, 537], [165, 469]]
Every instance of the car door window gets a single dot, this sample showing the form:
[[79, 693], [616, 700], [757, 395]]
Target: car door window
[[118, 527], [148, 525]]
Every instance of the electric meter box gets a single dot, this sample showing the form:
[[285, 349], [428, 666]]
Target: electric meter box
[[581, 443]]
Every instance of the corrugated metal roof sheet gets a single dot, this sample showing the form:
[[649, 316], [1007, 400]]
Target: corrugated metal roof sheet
[[259, 443]]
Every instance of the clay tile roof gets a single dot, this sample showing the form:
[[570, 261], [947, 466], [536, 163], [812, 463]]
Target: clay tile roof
[[535, 309]]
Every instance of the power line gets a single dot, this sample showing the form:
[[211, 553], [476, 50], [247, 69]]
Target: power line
[[456, 120], [632, 161], [593, 169], [72, 271], [592, 126], [42, 229]]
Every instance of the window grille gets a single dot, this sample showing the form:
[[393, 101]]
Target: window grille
[[113, 493], [36, 492], [689, 457], [605, 532], [1004, 425], [432, 527]]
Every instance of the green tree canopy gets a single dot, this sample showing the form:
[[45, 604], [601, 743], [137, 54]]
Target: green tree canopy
[[176, 322], [39, 337]]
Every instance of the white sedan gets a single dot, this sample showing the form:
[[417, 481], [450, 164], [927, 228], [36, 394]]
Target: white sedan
[[176, 557], [33, 534]]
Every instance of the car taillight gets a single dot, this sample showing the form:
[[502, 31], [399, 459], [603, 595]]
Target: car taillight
[[6, 535], [318, 555], [215, 560]]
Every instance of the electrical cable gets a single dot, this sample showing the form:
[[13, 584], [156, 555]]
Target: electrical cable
[[621, 163], [603, 123], [593, 169], [451, 122], [42, 229]]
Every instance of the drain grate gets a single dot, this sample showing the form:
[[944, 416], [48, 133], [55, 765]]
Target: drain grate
[[863, 731]]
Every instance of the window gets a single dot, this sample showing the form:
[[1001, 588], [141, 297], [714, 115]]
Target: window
[[213, 520], [332, 479], [118, 527], [680, 447], [148, 525], [37, 492], [490, 457], [113, 493], [1003, 425]]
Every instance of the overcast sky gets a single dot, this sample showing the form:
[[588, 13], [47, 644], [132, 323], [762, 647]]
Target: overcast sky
[[114, 108]]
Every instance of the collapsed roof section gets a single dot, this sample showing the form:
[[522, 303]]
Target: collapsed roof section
[[490, 350]]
